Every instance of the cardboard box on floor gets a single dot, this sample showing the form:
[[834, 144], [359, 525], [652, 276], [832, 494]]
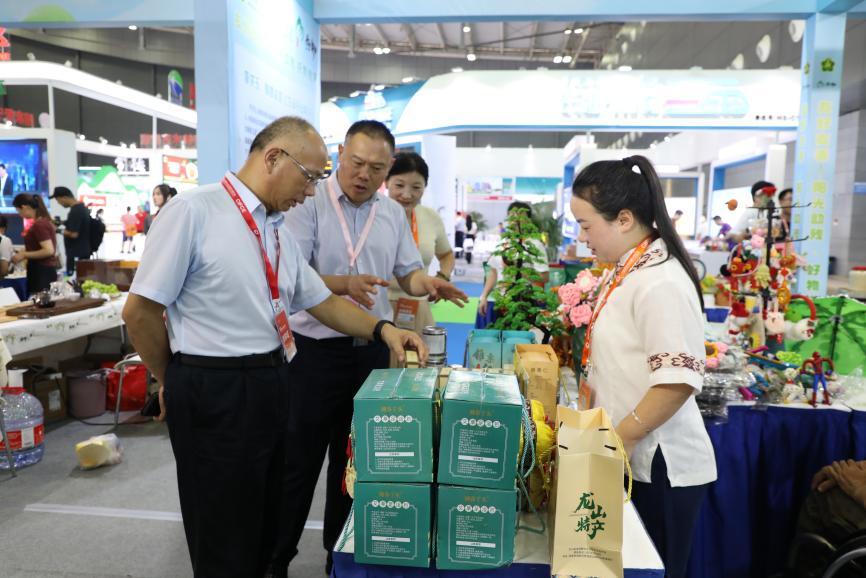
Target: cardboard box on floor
[[395, 423], [45, 384], [585, 513], [475, 527], [393, 524], [537, 370]]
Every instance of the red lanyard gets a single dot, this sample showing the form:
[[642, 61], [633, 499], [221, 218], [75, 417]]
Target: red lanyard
[[415, 228], [353, 252], [626, 269], [271, 274]]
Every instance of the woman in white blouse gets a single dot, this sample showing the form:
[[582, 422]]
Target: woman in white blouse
[[645, 356], [406, 183]]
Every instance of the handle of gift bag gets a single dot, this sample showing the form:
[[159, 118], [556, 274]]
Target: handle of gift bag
[[621, 448], [528, 447]]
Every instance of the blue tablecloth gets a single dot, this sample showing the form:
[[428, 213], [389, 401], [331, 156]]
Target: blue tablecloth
[[345, 567], [766, 459], [19, 284]]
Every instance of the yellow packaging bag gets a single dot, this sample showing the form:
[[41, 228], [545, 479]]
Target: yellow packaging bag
[[586, 502]]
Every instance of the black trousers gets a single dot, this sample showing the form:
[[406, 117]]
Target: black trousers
[[227, 429], [39, 277], [323, 378], [669, 515]]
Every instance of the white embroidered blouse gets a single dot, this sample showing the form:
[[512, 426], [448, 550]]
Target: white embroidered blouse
[[652, 332]]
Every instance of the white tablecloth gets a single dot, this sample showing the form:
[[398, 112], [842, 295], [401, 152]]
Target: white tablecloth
[[28, 335]]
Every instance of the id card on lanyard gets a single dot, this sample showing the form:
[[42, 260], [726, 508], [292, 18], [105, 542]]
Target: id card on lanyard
[[407, 309], [585, 393], [281, 318]]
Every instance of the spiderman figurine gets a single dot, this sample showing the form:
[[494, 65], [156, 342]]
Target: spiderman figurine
[[818, 376]]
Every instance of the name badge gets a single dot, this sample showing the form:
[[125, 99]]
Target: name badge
[[407, 312], [281, 321]]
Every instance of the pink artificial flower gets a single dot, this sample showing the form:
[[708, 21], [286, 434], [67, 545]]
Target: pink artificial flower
[[569, 295], [580, 315], [712, 362], [722, 347], [585, 281]]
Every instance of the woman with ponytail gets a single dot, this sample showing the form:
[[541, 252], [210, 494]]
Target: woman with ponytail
[[40, 243], [644, 357]]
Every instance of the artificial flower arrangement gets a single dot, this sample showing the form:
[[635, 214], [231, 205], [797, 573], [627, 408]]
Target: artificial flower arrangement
[[576, 302]]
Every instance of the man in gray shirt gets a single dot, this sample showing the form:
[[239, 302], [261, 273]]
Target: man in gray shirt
[[356, 239]]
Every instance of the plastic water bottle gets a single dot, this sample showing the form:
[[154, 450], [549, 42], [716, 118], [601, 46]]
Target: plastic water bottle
[[22, 416]]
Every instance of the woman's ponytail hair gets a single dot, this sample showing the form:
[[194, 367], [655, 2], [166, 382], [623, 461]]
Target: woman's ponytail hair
[[35, 202], [633, 184]]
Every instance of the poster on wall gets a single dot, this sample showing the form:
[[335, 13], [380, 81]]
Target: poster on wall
[[175, 87], [179, 170], [274, 68]]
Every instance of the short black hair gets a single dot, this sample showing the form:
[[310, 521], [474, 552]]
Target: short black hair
[[678, 212], [62, 192], [760, 185], [788, 191], [717, 217], [373, 129], [405, 163], [3, 222], [2, 165], [520, 205]]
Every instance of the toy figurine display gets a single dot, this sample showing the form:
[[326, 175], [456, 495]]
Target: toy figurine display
[[819, 376]]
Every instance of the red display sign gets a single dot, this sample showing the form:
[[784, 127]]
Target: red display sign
[[5, 46], [179, 169], [93, 200]]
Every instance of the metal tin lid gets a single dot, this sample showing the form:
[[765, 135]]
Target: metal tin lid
[[434, 330]]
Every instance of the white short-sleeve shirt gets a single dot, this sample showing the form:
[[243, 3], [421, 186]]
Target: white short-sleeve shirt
[[6, 249], [651, 332], [203, 263]]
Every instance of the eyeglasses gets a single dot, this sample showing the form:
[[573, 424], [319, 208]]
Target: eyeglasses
[[311, 178]]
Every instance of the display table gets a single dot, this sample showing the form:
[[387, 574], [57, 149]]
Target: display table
[[26, 335], [531, 556], [766, 459]]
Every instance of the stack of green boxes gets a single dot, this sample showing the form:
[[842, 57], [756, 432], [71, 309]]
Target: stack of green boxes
[[478, 452], [492, 348], [396, 428], [395, 425]]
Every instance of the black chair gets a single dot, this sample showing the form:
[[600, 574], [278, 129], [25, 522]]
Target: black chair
[[842, 561]]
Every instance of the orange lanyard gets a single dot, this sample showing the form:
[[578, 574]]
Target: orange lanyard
[[626, 269], [415, 228]]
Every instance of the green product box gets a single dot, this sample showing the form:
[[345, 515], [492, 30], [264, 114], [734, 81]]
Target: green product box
[[509, 340], [481, 420], [395, 425], [484, 349], [475, 527], [393, 524]]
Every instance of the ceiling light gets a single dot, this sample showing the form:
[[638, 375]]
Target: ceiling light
[[566, 59], [378, 87], [625, 68], [133, 146], [488, 147], [796, 28], [386, 50], [123, 145], [165, 147], [542, 68], [31, 56], [653, 145], [567, 31], [333, 99], [68, 64], [354, 93], [133, 27], [408, 79], [624, 47], [471, 57], [8, 123], [368, 24], [118, 82], [578, 30], [764, 47], [377, 50], [467, 28], [738, 62], [103, 140], [81, 137], [457, 69], [557, 59], [158, 95], [668, 138]]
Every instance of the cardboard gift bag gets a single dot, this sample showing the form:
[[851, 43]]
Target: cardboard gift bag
[[586, 504]]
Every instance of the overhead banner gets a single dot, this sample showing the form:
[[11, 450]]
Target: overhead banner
[[592, 100], [273, 68]]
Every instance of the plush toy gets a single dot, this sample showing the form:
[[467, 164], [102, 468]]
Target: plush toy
[[804, 329], [739, 320]]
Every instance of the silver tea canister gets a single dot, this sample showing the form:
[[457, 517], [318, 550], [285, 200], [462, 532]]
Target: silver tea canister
[[435, 338]]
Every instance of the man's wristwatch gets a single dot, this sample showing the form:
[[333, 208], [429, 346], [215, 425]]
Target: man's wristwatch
[[377, 331], [442, 275]]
